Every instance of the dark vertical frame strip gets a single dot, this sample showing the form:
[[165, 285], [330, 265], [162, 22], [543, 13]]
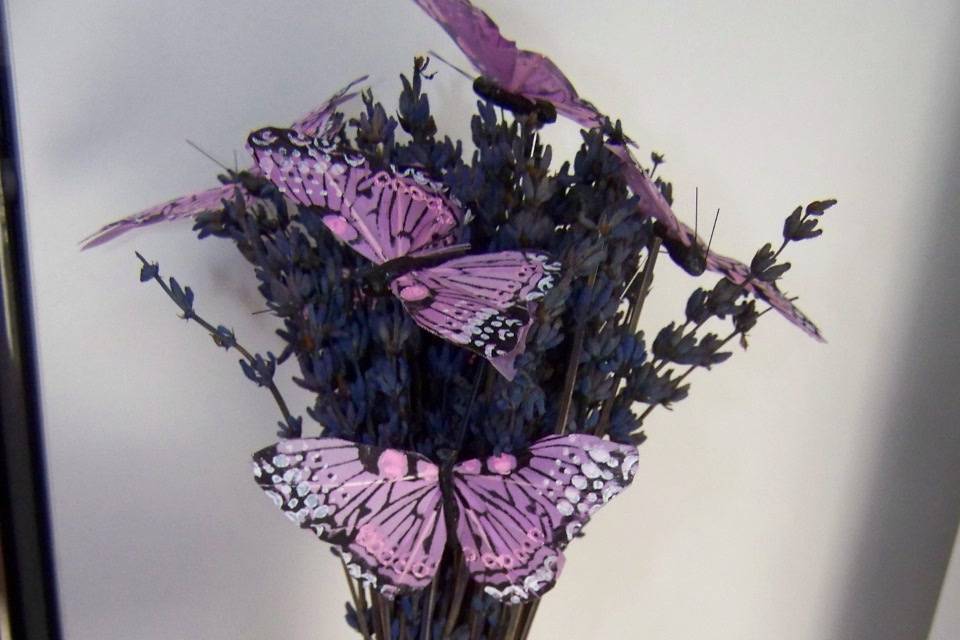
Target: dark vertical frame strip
[[24, 516]]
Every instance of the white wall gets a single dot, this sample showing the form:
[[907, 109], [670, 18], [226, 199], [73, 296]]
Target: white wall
[[804, 491]]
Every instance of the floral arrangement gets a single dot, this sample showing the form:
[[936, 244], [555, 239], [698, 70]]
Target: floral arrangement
[[470, 326]]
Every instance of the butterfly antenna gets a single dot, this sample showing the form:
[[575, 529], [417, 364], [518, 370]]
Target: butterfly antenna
[[208, 156], [629, 286], [434, 54], [713, 229], [696, 213]]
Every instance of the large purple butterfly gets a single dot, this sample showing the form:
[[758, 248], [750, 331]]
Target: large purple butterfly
[[535, 78], [387, 511], [519, 80], [653, 204], [405, 225], [317, 122]]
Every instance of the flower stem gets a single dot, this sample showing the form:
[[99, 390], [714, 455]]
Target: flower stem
[[528, 622], [361, 612], [663, 362], [573, 363], [691, 368], [192, 315], [513, 621], [633, 320], [427, 618], [459, 589], [378, 618]]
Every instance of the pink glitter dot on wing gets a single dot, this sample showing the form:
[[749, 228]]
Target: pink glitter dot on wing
[[469, 467], [502, 464], [392, 464], [427, 471], [414, 292], [339, 226]]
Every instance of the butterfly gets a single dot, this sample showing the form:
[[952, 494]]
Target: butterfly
[[524, 82], [317, 122], [510, 72], [405, 224], [688, 251], [387, 511]]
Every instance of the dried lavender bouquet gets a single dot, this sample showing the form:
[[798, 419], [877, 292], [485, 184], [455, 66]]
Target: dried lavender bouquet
[[588, 366]]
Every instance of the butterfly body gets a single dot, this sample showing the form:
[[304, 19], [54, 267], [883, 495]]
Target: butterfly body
[[692, 258], [251, 181], [408, 227], [508, 72], [540, 111], [377, 279], [388, 511]]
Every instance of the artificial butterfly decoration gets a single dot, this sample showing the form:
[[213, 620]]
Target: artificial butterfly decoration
[[510, 73], [524, 82], [388, 511], [651, 203], [317, 122], [407, 226]]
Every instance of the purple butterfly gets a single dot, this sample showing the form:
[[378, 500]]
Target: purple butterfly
[[522, 81], [388, 511], [317, 122], [534, 78], [406, 226], [653, 204]]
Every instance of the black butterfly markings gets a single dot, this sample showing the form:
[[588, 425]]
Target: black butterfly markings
[[375, 279]]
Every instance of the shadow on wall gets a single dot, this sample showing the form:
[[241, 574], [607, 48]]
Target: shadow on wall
[[911, 516]]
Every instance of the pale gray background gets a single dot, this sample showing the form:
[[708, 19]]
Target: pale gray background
[[805, 491]]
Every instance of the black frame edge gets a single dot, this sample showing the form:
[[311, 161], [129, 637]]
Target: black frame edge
[[24, 508]]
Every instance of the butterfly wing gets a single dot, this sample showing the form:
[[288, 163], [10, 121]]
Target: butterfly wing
[[185, 206], [536, 77], [482, 302], [652, 203], [191, 205], [316, 122], [380, 214], [381, 508], [516, 515], [477, 36], [527, 73]]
